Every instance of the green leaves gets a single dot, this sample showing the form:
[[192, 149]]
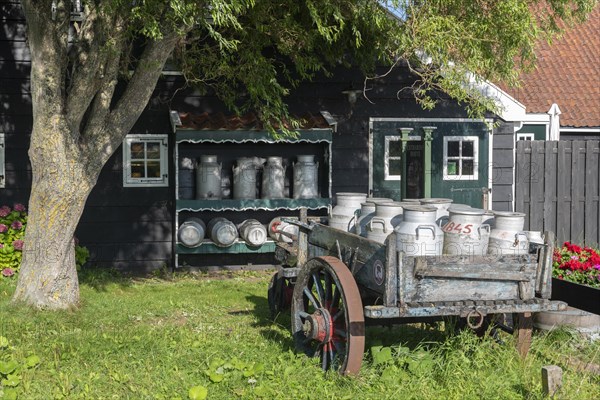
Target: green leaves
[[197, 393]]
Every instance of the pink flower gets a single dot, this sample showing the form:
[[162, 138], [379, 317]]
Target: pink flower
[[19, 207], [16, 225], [2, 246], [18, 244], [8, 272], [4, 211], [3, 228]]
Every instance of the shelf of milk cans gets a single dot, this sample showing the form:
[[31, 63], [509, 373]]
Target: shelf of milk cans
[[231, 184]]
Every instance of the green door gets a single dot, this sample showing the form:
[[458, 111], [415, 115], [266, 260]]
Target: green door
[[458, 166]]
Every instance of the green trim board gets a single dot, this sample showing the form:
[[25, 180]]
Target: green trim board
[[208, 247], [227, 136], [252, 204]]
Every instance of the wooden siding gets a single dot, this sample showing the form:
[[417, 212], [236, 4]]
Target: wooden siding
[[558, 187], [503, 163]]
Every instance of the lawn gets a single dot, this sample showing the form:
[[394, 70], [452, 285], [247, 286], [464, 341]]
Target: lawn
[[175, 338]]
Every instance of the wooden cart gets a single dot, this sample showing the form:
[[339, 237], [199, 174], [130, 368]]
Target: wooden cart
[[335, 280]]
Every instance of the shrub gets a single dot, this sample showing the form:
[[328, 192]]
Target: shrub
[[12, 232], [577, 264]]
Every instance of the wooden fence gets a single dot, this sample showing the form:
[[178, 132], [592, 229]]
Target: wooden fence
[[557, 184]]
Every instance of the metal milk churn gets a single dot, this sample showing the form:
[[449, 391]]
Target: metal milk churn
[[253, 232], [387, 217], [418, 234], [441, 206], [244, 177], [343, 215], [306, 177], [464, 233], [186, 185], [192, 232], [282, 231], [273, 179], [367, 211], [222, 231], [208, 178], [507, 236]]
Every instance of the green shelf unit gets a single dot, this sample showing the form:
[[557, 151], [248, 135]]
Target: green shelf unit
[[208, 247], [252, 204]]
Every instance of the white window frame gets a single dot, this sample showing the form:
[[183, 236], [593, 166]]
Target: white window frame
[[128, 180], [475, 158], [2, 161], [386, 156], [525, 136]]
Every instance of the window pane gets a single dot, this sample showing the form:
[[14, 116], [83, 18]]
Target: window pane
[[153, 169], [395, 167], [453, 149], [395, 148], [452, 167], [467, 148], [467, 167], [137, 150], [153, 150], [137, 169]]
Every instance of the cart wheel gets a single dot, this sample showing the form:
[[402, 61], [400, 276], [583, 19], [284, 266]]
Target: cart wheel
[[327, 315], [279, 295], [523, 325]]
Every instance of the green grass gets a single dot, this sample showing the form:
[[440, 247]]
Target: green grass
[[138, 339]]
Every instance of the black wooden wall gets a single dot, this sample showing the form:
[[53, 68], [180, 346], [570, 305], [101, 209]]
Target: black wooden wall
[[132, 228]]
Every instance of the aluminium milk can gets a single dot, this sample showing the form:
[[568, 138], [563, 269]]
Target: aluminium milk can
[[253, 232], [507, 237], [273, 179], [192, 232], [244, 177], [418, 234], [306, 178], [282, 231], [367, 212], [222, 231], [465, 233], [185, 183], [344, 214], [387, 217], [208, 178], [441, 205]]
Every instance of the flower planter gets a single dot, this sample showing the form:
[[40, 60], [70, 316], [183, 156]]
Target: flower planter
[[579, 296]]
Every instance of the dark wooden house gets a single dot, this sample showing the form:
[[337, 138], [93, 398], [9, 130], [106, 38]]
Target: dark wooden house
[[130, 218]]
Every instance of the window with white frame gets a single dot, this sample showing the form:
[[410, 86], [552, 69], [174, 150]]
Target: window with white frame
[[145, 161], [525, 136], [460, 157], [392, 158], [2, 168]]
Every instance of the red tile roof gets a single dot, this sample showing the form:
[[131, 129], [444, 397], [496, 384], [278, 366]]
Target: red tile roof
[[220, 121], [568, 74]]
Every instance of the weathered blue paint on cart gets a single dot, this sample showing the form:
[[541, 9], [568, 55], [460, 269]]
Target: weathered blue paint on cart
[[333, 280]]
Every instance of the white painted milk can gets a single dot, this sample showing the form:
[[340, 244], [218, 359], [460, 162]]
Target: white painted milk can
[[344, 215], [441, 205], [253, 232], [464, 233], [244, 177], [367, 212], [507, 237], [387, 217], [418, 234]]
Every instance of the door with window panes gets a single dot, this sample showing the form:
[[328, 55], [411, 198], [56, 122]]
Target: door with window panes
[[459, 159]]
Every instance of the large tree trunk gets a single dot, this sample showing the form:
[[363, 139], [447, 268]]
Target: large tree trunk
[[77, 125], [61, 185]]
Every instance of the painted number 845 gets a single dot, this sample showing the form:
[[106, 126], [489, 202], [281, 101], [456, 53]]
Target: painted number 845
[[451, 227]]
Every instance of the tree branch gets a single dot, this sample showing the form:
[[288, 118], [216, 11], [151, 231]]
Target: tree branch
[[136, 96]]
